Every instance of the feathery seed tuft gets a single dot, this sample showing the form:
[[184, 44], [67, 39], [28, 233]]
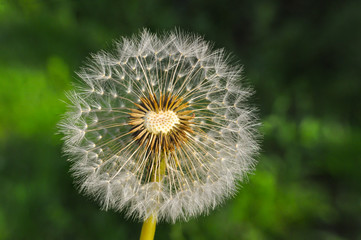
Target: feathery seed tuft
[[160, 127]]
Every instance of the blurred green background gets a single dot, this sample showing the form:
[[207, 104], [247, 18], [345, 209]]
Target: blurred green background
[[303, 59]]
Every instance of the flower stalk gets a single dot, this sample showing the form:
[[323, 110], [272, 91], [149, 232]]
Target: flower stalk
[[148, 228], [149, 225]]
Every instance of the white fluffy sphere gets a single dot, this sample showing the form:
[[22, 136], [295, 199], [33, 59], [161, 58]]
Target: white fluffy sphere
[[160, 127]]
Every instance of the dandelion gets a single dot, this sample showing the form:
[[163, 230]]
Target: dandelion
[[159, 128]]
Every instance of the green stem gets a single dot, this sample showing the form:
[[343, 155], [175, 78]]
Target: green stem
[[148, 229], [149, 225]]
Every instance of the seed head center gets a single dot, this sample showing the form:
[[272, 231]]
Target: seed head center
[[161, 122]]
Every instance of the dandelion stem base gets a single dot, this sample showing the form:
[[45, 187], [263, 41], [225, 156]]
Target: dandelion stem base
[[148, 229]]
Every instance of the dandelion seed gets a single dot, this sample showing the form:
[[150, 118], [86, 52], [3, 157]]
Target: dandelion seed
[[168, 134]]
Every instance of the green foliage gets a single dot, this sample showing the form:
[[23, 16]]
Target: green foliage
[[303, 58]]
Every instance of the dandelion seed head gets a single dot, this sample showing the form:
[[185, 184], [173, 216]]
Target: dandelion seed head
[[161, 126]]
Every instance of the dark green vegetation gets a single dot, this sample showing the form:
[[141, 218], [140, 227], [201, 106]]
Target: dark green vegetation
[[303, 58]]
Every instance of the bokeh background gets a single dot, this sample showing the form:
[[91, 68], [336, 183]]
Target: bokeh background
[[303, 59]]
